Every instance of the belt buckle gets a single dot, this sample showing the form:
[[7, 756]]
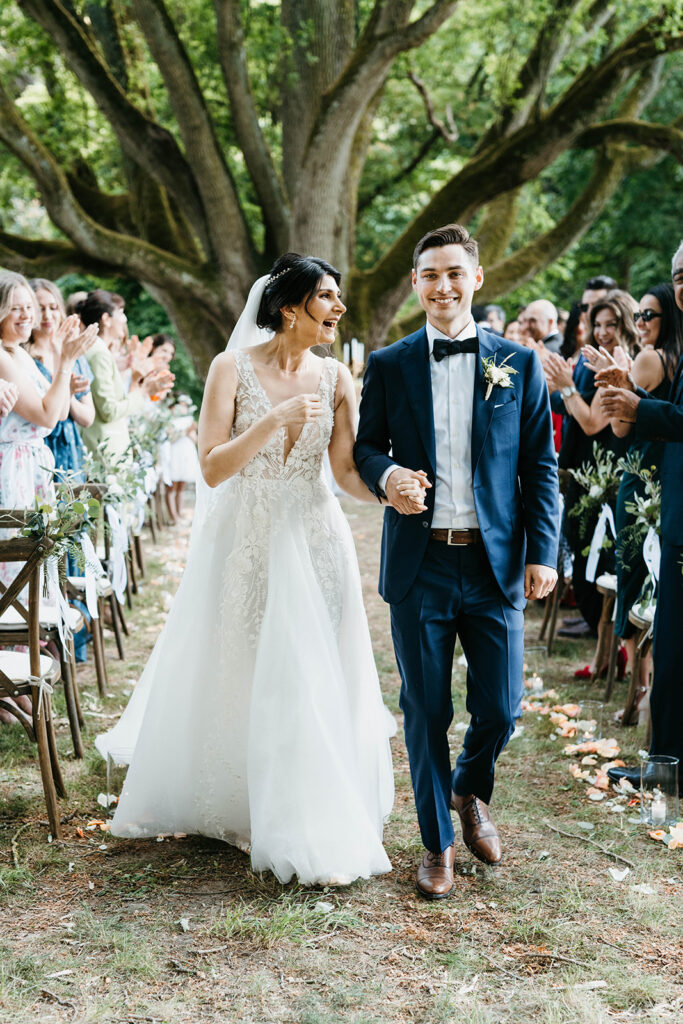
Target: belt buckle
[[455, 543]]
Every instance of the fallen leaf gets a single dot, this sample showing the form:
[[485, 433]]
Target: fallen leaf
[[594, 794], [589, 759], [646, 889], [184, 923], [618, 875]]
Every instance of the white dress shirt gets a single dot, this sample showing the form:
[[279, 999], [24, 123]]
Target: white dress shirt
[[452, 395]]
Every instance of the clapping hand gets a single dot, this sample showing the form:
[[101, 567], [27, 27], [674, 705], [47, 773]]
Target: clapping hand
[[558, 372], [406, 490], [139, 357], [79, 384], [158, 383], [77, 341], [9, 393], [614, 369]]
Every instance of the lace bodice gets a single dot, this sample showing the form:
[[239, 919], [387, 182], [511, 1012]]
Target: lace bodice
[[304, 460]]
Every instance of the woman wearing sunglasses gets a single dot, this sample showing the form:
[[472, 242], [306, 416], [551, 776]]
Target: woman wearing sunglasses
[[660, 326]]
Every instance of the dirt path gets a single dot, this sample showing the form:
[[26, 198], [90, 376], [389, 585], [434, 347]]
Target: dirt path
[[99, 929]]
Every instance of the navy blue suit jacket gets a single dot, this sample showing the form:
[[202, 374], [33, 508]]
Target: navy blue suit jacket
[[514, 466], [656, 420]]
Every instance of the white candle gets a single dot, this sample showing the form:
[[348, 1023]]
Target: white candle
[[361, 352], [536, 684], [346, 352], [658, 809]]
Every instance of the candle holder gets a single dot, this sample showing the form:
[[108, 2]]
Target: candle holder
[[535, 668], [118, 760], [658, 790], [589, 722]]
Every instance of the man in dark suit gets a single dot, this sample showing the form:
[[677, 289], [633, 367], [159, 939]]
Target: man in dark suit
[[467, 412], [541, 322], [654, 419]]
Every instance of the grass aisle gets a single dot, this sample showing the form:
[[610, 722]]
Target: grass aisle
[[100, 929]]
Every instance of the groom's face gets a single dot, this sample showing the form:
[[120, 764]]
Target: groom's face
[[444, 280]]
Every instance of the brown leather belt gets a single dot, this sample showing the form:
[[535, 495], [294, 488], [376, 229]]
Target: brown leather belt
[[456, 538]]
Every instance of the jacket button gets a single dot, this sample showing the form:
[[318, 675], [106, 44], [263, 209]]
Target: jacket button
[[425, 523]]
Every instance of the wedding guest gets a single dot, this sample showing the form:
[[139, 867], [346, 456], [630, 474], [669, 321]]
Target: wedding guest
[[513, 331], [495, 318], [113, 405], [596, 288], [44, 347], [26, 462], [73, 301], [651, 418], [575, 334], [660, 326], [541, 320], [612, 326]]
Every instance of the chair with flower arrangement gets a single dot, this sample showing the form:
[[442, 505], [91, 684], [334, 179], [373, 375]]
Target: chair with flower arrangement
[[30, 673], [57, 622], [104, 590]]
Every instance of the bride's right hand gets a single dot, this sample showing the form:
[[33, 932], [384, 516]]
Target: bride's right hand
[[297, 411]]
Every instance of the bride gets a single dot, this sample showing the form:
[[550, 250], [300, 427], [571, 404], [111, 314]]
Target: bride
[[258, 719]]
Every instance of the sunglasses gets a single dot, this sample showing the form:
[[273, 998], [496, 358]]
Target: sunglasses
[[646, 316]]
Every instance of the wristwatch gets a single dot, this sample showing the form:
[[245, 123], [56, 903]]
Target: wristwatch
[[568, 390]]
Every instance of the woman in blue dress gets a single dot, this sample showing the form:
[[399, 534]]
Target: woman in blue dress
[[65, 440]]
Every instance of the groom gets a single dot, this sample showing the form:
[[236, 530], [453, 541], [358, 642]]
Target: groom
[[468, 413]]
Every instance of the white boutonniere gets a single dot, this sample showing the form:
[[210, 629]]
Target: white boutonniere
[[497, 376]]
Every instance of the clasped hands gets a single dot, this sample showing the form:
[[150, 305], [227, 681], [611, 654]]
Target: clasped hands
[[406, 489]]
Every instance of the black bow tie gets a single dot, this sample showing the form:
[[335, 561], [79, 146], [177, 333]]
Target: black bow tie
[[443, 347]]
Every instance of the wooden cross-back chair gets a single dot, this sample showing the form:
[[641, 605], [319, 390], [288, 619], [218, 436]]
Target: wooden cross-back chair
[[33, 673], [14, 630], [105, 593]]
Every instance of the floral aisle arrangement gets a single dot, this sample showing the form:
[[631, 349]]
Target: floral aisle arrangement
[[600, 483], [642, 533]]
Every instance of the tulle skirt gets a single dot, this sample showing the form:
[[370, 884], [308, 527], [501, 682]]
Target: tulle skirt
[[258, 719]]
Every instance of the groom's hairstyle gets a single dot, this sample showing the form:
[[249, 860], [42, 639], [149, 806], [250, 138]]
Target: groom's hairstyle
[[451, 234], [293, 278]]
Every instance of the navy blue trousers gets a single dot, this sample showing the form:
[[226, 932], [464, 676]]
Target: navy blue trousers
[[666, 700], [456, 595]]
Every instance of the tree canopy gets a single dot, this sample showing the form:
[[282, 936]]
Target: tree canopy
[[186, 143]]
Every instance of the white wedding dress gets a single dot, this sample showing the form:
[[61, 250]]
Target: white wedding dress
[[258, 719]]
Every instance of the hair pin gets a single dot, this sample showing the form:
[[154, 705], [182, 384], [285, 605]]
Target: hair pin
[[279, 274]]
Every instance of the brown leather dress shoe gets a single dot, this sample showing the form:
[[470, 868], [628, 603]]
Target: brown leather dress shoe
[[435, 874], [479, 834]]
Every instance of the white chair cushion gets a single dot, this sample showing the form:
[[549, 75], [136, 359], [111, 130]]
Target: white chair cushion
[[11, 619], [607, 580], [103, 585], [17, 666]]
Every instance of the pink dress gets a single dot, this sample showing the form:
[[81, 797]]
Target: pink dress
[[26, 463]]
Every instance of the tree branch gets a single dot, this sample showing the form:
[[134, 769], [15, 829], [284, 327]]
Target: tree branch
[[50, 258], [512, 161], [130, 255], [448, 132], [668, 138], [496, 227], [225, 223], [551, 46], [141, 139], [525, 263], [250, 138]]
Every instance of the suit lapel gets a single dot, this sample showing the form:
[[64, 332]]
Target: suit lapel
[[418, 382], [677, 382], [482, 410]]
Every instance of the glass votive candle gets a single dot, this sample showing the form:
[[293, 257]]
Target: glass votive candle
[[589, 723], [535, 668], [658, 790], [118, 760]]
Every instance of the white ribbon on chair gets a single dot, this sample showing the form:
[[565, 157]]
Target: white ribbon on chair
[[604, 519], [93, 571], [652, 553], [118, 548], [56, 597], [42, 686]]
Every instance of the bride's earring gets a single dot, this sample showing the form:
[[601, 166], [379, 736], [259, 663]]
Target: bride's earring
[[292, 321]]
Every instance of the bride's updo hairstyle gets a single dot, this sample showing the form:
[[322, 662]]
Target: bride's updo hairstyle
[[292, 279]]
